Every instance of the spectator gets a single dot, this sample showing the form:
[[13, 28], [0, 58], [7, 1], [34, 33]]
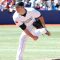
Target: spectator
[[3, 5], [40, 4], [7, 4], [27, 3], [58, 5], [48, 4], [10, 4]]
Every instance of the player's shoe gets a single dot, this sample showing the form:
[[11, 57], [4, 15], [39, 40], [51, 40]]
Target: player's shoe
[[47, 33], [55, 59]]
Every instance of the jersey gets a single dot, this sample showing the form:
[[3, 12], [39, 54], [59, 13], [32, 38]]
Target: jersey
[[28, 19]]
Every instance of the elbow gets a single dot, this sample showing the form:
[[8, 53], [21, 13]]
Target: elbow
[[23, 26]]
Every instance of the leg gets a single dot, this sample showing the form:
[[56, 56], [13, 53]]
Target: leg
[[22, 41], [41, 31]]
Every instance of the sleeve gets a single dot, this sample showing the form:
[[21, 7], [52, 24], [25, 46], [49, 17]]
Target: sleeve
[[16, 18], [36, 14]]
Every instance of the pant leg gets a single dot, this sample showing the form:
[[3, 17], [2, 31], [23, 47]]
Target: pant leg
[[21, 46], [39, 32]]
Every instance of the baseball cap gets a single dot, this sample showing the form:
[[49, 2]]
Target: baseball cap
[[19, 4]]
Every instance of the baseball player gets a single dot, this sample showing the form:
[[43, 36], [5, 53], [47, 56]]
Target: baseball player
[[31, 22]]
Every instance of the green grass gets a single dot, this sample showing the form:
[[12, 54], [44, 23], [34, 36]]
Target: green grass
[[44, 48]]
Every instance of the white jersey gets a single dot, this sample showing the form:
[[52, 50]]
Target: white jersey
[[28, 19]]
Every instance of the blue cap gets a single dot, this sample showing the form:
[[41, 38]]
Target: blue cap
[[19, 4]]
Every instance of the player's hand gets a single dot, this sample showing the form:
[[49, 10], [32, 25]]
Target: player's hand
[[35, 37]]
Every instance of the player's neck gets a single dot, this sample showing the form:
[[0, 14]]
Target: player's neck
[[23, 12]]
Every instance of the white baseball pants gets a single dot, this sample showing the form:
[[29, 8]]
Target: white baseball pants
[[23, 39]]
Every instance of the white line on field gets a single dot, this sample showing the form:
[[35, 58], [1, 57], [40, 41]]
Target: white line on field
[[42, 50], [34, 50], [55, 37], [55, 30]]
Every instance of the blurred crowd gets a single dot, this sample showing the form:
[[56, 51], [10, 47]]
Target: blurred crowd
[[7, 5], [47, 4], [37, 4]]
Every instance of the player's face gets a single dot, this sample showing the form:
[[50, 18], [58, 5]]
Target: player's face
[[19, 8]]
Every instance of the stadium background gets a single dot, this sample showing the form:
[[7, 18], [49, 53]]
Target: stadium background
[[51, 17], [45, 48]]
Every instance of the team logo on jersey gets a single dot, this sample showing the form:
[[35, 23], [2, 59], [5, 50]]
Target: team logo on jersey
[[28, 20]]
